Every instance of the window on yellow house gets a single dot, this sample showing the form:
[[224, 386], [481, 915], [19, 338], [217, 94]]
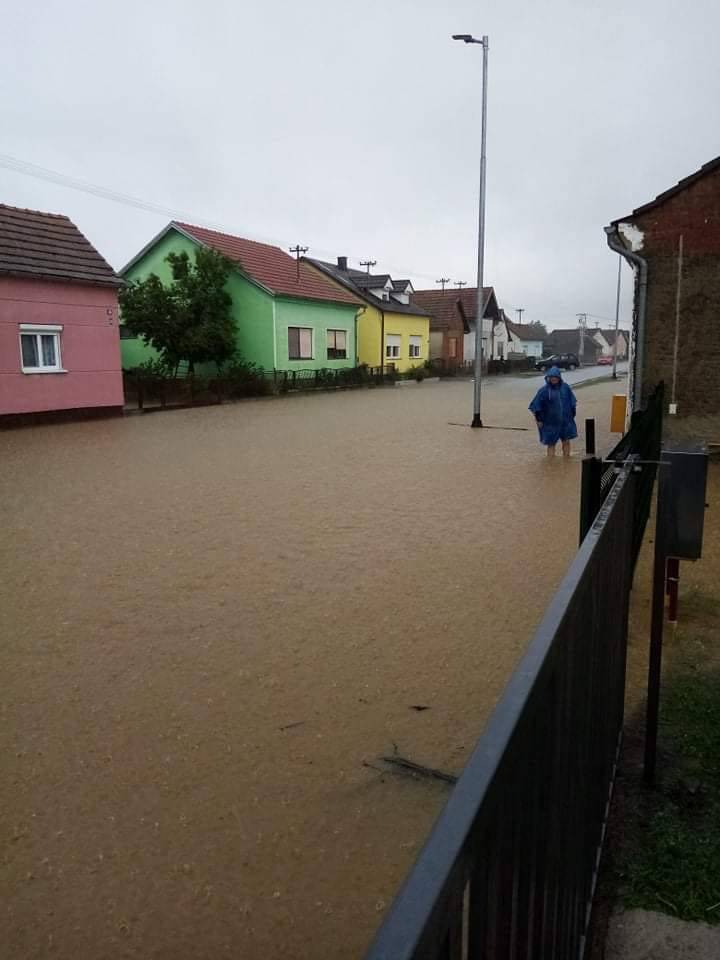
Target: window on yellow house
[[392, 346], [415, 347]]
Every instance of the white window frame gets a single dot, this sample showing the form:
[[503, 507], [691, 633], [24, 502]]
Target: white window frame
[[415, 347], [392, 350], [39, 330]]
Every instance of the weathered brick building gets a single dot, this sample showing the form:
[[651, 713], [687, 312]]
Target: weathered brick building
[[673, 243]]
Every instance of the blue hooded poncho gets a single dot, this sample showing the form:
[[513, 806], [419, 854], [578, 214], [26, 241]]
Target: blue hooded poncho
[[554, 407]]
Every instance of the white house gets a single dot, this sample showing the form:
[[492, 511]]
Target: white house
[[525, 339], [496, 341], [606, 340]]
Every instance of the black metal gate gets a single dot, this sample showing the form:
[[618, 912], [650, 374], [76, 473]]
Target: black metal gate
[[510, 866]]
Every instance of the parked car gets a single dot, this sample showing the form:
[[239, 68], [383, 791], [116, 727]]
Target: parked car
[[566, 361], [604, 361]]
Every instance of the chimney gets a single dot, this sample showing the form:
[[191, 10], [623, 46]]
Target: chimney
[[342, 263]]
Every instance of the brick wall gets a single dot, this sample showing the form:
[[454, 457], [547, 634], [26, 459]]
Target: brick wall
[[694, 213]]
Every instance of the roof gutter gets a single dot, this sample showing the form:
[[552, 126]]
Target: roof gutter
[[635, 260]]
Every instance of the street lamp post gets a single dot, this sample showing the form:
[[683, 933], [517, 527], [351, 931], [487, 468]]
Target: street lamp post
[[476, 420]]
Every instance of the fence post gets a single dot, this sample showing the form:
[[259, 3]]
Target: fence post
[[589, 494], [656, 632], [590, 437]]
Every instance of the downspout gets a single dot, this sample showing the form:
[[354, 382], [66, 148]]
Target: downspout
[[358, 314], [382, 343], [615, 244]]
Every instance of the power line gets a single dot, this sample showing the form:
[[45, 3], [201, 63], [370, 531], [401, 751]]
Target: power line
[[25, 168]]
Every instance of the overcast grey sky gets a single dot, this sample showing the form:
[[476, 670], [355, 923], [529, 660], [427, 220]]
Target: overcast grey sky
[[354, 128]]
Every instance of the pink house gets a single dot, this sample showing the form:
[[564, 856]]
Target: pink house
[[59, 340]]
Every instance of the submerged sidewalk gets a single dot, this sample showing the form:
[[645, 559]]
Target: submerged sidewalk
[[645, 935]]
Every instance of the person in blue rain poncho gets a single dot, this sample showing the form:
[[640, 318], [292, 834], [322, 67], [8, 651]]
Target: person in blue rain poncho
[[554, 410]]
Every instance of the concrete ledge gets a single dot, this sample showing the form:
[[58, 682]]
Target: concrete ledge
[[12, 420], [645, 935]]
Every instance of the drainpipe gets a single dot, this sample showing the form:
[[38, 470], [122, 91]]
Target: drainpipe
[[358, 314], [614, 242], [382, 343]]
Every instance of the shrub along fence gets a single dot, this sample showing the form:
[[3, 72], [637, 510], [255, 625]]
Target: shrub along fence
[[148, 388]]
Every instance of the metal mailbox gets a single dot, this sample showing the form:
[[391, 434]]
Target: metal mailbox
[[684, 481]]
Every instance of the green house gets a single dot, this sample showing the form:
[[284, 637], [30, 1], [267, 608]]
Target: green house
[[287, 316]]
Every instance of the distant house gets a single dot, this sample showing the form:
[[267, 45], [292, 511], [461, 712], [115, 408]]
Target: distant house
[[673, 245], [606, 338], [568, 341], [59, 349], [452, 324], [391, 329], [287, 316], [526, 338]]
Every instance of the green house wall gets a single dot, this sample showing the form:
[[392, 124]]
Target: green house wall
[[261, 319]]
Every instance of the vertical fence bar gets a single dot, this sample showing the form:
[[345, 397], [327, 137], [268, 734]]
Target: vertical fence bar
[[589, 494], [673, 585], [656, 635], [590, 437]]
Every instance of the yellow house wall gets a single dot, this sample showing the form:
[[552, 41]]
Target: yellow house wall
[[403, 325]]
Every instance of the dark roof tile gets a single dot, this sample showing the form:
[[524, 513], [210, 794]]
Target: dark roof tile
[[349, 279], [49, 246]]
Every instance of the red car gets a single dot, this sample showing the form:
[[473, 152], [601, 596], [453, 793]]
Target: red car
[[604, 361]]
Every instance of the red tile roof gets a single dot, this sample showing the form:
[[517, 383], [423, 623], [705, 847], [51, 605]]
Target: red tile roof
[[49, 246], [270, 266], [444, 306]]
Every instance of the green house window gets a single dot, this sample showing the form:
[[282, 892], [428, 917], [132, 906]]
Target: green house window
[[300, 343], [337, 344]]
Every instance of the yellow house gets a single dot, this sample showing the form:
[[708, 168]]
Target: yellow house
[[390, 330]]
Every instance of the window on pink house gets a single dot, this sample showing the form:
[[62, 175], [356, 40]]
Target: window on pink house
[[40, 348]]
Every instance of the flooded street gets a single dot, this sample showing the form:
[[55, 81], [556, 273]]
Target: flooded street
[[212, 619]]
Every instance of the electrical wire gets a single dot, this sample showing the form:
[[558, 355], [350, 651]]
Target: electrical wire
[[106, 193]]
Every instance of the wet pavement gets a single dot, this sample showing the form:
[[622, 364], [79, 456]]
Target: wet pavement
[[215, 621]]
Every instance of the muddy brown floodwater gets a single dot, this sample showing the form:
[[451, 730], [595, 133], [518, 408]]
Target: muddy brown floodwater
[[212, 619]]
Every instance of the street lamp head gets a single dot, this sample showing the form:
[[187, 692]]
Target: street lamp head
[[465, 37]]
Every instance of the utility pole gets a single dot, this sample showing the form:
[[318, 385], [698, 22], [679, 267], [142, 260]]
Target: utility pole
[[298, 251], [368, 264], [442, 281], [520, 311], [459, 284], [582, 324]]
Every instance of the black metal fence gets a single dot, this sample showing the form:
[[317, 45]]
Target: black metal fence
[[643, 441], [509, 869], [148, 390]]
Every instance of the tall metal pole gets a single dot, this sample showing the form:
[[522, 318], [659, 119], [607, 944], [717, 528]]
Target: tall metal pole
[[477, 393], [617, 319]]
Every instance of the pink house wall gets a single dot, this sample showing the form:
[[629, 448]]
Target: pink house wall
[[89, 346]]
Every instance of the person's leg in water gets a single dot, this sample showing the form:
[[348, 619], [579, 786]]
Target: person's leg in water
[[566, 448], [551, 449]]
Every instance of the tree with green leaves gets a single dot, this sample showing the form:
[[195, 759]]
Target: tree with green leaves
[[191, 319]]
